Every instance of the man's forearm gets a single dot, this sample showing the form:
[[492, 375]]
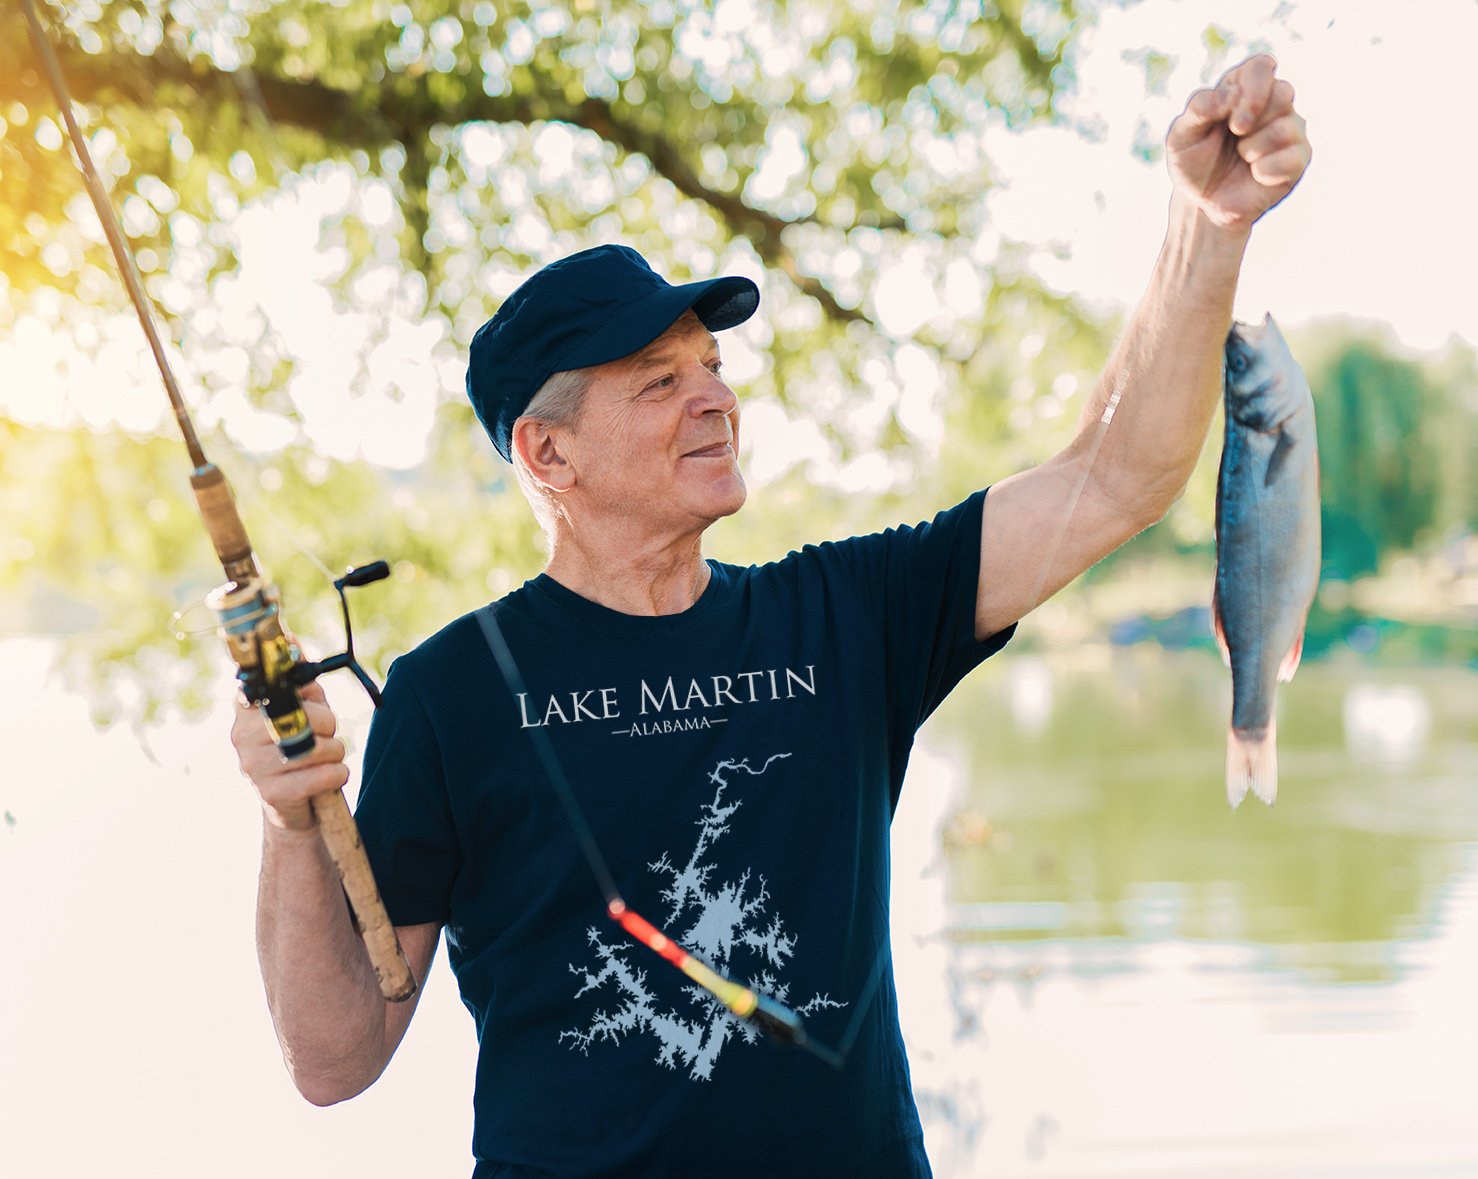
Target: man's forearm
[[1234, 152], [325, 1002], [1162, 382]]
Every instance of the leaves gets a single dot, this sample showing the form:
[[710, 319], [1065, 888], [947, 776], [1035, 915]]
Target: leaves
[[445, 150]]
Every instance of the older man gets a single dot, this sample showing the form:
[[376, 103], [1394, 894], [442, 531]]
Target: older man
[[735, 738]]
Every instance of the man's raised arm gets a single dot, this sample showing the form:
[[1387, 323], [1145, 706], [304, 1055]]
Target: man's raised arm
[[1234, 153]]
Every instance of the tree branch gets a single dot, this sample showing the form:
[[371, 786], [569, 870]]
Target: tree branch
[[401, 111]]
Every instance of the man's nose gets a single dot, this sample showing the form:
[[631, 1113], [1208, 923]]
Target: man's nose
[[714, 396]]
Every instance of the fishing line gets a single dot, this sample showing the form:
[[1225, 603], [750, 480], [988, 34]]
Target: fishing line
[[553, 770], [1105, 418], [765, 1011], [743, 1002]]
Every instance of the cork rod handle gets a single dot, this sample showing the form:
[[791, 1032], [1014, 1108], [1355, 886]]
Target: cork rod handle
[[341, 837]]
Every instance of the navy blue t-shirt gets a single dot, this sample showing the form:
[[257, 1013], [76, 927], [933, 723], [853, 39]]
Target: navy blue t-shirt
[[738, 764]]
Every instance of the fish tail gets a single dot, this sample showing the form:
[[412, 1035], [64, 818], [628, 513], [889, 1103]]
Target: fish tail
[[1252, 763]]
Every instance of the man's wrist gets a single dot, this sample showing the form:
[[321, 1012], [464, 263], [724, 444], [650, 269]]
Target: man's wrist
[[290, 826], [1201, 259], [1194, 232]]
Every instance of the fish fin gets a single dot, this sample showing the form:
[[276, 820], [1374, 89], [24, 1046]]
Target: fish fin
[[1290, 661], [1252, 763], [1221, 634], [1279, 458]]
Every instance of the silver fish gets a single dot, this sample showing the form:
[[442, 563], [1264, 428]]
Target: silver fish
[[1267, 542]]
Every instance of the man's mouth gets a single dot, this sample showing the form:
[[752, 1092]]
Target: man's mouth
[[717, 450]]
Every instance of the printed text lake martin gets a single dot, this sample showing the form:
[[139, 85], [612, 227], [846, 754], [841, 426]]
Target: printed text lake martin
[[663, 702]]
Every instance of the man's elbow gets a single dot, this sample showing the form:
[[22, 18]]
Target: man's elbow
[[1139, 504], [1157, 505], [330, 1087], [323, 1093]]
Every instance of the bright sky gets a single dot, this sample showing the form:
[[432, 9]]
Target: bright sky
[[1382, 225], [1380, 229]]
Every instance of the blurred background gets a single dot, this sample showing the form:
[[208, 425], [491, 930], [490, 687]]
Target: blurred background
[[949, 208]]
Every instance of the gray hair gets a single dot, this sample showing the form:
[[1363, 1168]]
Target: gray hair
[[558, 402]]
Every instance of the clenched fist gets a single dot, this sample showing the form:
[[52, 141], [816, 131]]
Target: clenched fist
[[1238, 149]]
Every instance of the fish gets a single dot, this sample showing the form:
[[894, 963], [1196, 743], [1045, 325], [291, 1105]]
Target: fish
[[1267, 543]]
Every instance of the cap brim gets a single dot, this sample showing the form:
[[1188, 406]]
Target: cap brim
[[718, 302]]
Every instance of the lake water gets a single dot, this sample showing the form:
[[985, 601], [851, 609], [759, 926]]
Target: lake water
[[1103, 971], [1114, 974]]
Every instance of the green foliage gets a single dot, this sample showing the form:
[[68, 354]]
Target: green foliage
[[452, 148], [211, 101], [468, 143], [1396, 448], [103, 544]]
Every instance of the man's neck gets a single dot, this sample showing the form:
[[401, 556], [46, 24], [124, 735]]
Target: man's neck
[[631, 576]]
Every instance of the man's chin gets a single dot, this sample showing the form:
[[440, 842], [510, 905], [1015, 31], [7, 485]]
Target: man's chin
[[741, 495], [730, 502]]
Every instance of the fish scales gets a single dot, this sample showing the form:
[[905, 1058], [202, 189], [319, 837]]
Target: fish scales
[[1267, 542]]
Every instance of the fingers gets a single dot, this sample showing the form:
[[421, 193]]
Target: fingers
[[1275, 137], [315, 704], [1204, 112], [1252, 84], [1277, 149], [287, 786], [320, 716], [1247, 98], [1280, 102], [261, 759], [1283, 167]]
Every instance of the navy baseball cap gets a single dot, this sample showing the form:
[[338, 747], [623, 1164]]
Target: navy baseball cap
[[592, 307]]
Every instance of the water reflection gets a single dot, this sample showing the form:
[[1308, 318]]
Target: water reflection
[[1108, 820], [1029, 681], [1387, 722], [1136, 980]]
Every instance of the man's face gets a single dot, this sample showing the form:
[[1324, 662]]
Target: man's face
[[658, 434]]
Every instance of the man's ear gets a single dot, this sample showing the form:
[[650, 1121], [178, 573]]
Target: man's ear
[[542, 452]]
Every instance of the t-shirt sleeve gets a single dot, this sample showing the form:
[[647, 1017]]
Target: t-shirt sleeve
[[921, 583], [404, 814]]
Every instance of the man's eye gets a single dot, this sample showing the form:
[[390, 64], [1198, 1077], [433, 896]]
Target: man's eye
[[716, 367], [661, 383]]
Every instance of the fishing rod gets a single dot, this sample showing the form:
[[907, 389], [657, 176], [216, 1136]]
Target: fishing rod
[[269, 665]]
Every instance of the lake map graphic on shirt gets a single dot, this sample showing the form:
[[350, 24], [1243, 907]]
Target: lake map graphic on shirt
[[727, 924]]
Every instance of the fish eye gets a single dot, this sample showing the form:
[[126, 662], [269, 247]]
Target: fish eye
[[1237, 361]]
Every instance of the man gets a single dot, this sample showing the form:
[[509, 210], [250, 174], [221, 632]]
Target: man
[[735, 738]]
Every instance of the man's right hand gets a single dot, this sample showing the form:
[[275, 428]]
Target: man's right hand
[[286, 787]]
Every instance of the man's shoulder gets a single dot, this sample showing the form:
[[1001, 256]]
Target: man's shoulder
[[962, 516], [461, 639]]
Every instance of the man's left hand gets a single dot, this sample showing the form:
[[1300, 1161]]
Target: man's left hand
[[1237, 150]]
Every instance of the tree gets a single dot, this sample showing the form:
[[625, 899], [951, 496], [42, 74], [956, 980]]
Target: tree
[[1394, 444], [449, 149]]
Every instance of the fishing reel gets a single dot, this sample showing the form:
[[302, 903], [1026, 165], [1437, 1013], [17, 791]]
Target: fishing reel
[[270, 666]]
